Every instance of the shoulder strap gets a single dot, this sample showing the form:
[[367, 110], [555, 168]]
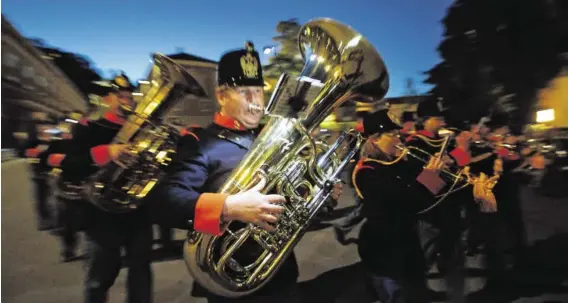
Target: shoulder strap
[[232, 137]]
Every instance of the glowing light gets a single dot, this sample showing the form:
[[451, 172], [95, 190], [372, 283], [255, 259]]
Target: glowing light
[[545, 115]]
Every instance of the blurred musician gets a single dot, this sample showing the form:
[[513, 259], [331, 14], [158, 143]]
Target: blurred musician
[[38, 142], [388, 185], [371, 124], [408, 120], [440, 227], [107, 233], [508, 189]]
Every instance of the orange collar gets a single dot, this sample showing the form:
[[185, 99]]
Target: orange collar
[[114, 118], [227, 122]]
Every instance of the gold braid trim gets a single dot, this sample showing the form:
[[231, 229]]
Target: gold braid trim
[[355, 171], [429, 141]]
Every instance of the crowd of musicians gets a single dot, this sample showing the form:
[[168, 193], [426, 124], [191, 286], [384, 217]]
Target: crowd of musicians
[[411, 221]]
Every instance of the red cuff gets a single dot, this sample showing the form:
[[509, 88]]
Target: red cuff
[[100, 155], [208, 212], [461, 156], [32, 152], [54, 160], [431, 181], [506, 154]]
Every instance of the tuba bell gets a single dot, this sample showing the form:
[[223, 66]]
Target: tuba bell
[[118, 189], [291, 162]]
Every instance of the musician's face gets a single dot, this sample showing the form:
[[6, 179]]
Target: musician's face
[[125, 100], [434, 124], [243, 103], [387, 142]]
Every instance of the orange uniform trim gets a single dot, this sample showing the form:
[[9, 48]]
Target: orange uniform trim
[[227, 122], [431, 181], [208, 212], [507, 154], [32, 152], [359, 166], [462, 157], [100, 154], [114, 118], [186, 132], [359, 127], [54, 160]]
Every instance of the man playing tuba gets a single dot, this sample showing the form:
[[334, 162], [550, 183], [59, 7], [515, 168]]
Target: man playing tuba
[[205, 157]]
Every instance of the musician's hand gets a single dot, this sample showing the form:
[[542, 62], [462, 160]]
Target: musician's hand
[[336, 191], [119, 153], [510, 140], [483, 193], [463, 140], [435, 164], [538, 161], [253, 207]]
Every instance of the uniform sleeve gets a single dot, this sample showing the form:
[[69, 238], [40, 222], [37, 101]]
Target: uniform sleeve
[[373, 184], [180, 195], [461, 156], [54, 154], [80, 152]]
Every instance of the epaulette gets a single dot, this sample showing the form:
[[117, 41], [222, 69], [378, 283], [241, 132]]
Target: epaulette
[[359, 166], [190, 131]]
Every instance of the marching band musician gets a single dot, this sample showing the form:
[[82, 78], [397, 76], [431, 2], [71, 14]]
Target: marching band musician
[[65, 216], [108, 233], [440, 227], [508, 189], [205, 158], [389, 244], [37, 144], [408, 120], [367, 126]]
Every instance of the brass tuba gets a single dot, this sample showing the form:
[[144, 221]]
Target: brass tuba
[[291, 162], [118, 189]]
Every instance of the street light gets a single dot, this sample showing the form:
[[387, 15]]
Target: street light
[[545, 115]]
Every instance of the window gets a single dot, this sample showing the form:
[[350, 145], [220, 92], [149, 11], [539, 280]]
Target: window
[[10, 60], [28, 72], [40, 80]]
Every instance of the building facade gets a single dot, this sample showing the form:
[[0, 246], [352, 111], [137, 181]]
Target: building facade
[[31, 84]]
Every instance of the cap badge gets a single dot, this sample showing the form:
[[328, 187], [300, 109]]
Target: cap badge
[[249, 64]]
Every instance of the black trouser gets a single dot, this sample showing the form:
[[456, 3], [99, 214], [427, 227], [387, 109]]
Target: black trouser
[[389, 290], [166, 236], [42, 192], [71, 219], [355, 217], [440, 235], [107, 234], [487, 229]]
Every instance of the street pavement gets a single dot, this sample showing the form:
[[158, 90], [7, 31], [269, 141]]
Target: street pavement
[[329, 272]]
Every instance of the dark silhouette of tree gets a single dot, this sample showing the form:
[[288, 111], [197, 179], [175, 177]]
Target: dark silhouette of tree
[[78, 68], [498, 54], [287, 58]]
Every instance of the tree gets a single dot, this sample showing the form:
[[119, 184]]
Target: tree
[[497, 55], [288, 58], [78, 68]]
